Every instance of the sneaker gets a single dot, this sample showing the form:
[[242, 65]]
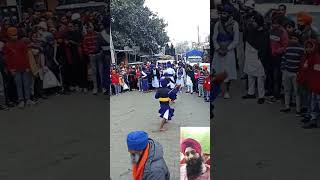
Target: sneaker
[[305, 120], [312, 124], [85, 90], [261, 101], [104, 90], [248, 96], [3, 108], [226, 95], [94, 91], [21, 105], [78, 89], [30, 103], [285, 110], [72, 88]]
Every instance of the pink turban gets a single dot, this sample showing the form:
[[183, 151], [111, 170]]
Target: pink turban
[[190, 143]]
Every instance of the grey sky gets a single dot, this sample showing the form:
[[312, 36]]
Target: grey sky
[[183, 17]]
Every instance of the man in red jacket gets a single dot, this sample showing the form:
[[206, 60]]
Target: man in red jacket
[[16, 59], [312, 79]]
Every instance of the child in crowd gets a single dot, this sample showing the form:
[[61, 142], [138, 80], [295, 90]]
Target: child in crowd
[[207, 87], [189, 82], [290, 67], [115, 79], [311, 75], [201, 79], [91, 49], [2, 82]]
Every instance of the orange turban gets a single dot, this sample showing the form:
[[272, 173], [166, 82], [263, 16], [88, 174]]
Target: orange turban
[[305, 17], [12, 31]]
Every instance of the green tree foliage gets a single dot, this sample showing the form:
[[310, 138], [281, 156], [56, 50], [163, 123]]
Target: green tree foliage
[[133, 24]]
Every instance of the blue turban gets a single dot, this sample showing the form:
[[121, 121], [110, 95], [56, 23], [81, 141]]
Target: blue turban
[[164, 82], [227, 8], [169, 64], [137, 140]]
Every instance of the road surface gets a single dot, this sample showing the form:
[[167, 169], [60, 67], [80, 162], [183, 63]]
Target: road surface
[[139, 111], [61, 138], [257, 142]]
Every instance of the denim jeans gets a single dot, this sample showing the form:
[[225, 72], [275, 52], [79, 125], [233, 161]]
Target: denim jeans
[[207, 95], [201, 91], [117, 88], [97, 68], [2, 93], [23, 83], [315, 106]]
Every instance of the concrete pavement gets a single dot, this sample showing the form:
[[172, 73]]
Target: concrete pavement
[[61, 138], [257, 142]]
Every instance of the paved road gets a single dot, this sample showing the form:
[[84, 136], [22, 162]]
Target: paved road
[[62, 138], [257, 142], [138, 111]]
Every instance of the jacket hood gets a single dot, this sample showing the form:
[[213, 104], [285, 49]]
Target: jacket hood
[[155, 151]]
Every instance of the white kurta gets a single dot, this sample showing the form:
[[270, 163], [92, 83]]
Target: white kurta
[[253, 65], [155, 80], [180, 81]]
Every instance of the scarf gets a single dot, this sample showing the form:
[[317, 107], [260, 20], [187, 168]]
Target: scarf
[[138, 169]]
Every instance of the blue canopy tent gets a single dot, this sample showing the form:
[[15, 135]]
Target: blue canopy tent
[[194, 53]]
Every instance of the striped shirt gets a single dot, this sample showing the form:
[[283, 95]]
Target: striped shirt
[[292, 57], [201, 79]]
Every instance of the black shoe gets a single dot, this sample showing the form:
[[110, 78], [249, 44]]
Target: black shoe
[[310, 125], [305, 120], [261, 101], [3, 108], [304, 110], [248, 96], [285, 110], [298, 113], [11, 104]]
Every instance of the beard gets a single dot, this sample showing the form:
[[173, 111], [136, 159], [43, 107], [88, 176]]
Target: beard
[[194, 168]]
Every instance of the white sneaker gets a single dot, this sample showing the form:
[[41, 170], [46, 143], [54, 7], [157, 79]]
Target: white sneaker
[[226, 95], [21, 105], [95, 91], [30, 102], [85, 90]]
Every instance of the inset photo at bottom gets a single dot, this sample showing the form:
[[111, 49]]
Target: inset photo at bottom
[[195, 153]]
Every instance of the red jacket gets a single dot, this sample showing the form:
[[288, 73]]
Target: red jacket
[[309, 72], [207, 84], [314, 74], [90, 43], [138, 74], [278, 41], [115, 79], [16, 55]]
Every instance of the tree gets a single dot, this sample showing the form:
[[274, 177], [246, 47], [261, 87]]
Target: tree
[[132, 24]]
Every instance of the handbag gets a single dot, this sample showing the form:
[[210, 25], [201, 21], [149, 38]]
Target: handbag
[[50, 80]]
